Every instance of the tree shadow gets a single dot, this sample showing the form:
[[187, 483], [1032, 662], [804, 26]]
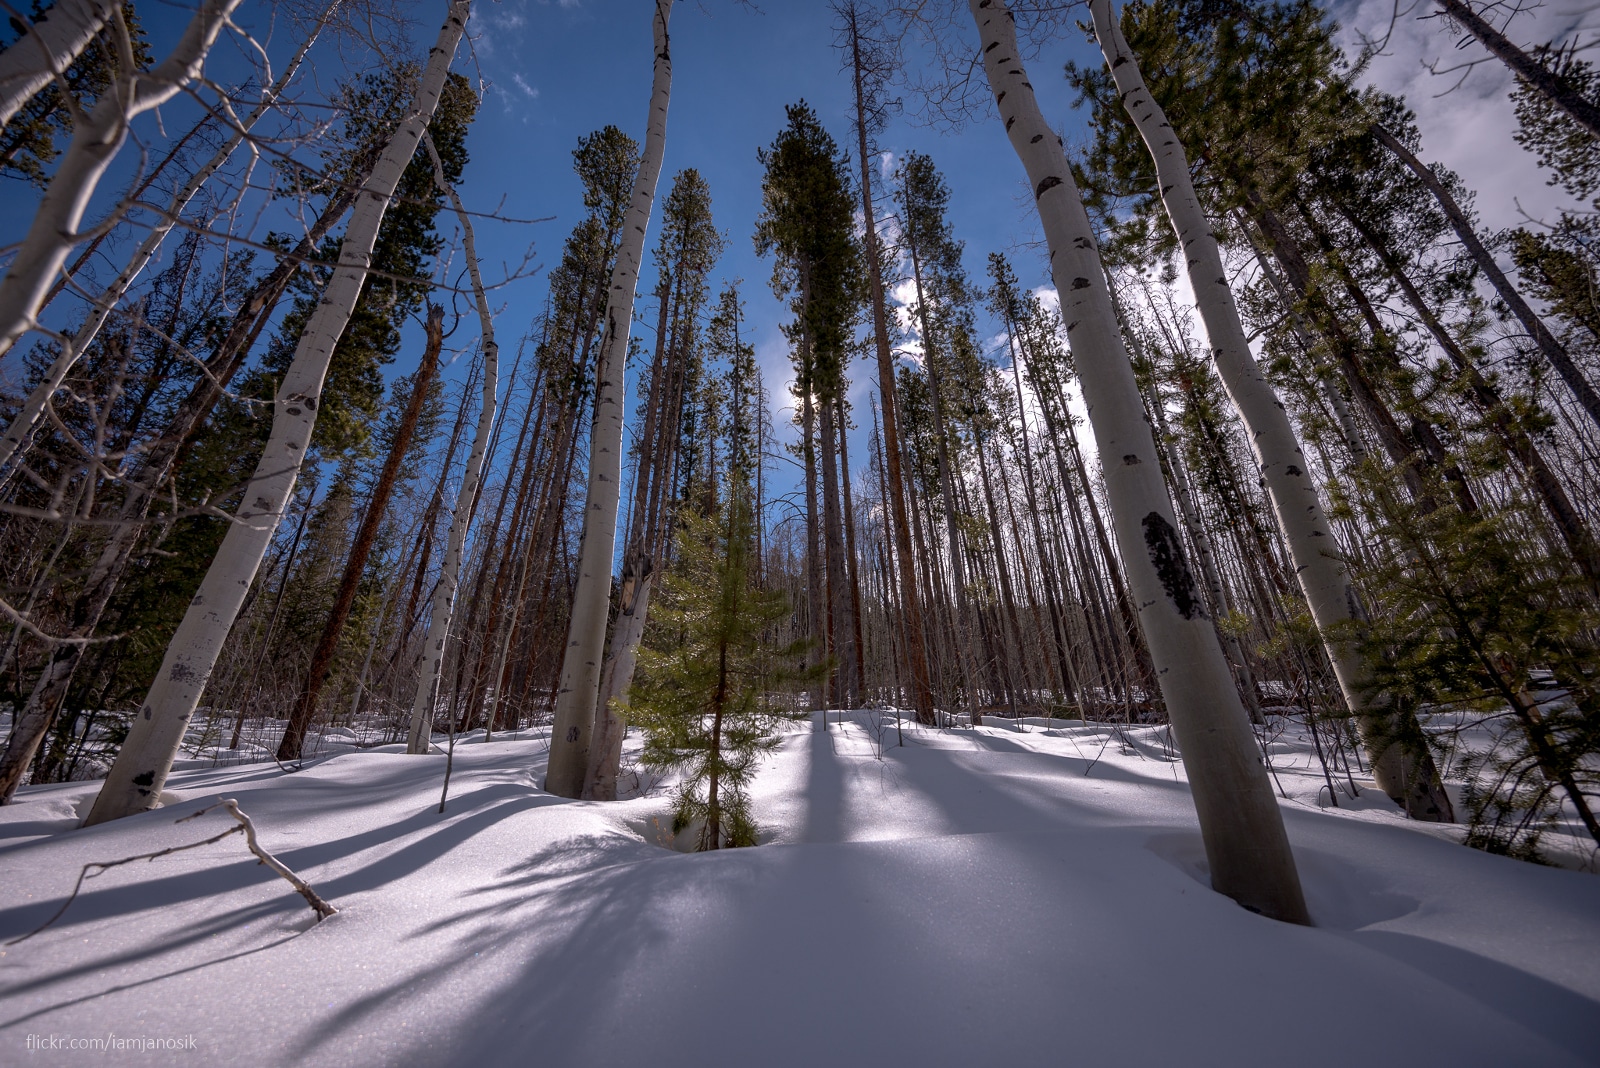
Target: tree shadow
[[1562, 1016]]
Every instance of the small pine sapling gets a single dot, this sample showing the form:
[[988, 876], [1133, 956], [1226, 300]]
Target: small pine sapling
[[702, 692]]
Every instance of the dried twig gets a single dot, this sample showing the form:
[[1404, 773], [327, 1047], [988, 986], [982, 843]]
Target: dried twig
[[318, 905]]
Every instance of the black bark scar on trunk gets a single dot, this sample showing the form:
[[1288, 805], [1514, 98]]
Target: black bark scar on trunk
[[1166, 554]]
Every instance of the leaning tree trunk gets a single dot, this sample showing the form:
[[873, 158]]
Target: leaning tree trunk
[[146, 757], [444, 594], [1243, 831], [1409, 778], [96, 137], [1529, 71], [1549, 347], [47, 48], [355, 565], [579, 691], [22, 425]]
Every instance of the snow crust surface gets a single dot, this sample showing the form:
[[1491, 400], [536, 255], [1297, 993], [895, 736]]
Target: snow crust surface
[[1004, 895]]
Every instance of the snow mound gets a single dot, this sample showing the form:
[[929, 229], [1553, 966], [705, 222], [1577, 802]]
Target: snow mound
[[1022, 893]]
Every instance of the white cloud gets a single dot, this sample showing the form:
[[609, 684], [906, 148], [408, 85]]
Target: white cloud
[[1469, 128], [531, 92]]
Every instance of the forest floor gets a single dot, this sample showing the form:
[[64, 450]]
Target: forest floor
[[1007, 895]]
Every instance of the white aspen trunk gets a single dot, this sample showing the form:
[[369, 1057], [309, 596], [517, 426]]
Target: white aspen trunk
[[46, 49], [96, 137], [146, 757], [444, 594], [22, 425], [1318, 562], [579, 691], [1245, 842], [605, 758]]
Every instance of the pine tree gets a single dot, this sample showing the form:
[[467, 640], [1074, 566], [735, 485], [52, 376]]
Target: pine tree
[[702, 691]]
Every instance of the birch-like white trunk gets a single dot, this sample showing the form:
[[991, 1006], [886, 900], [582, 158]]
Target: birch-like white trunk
[[74, 347], [1245, 842], [616, 676], [157, 730], [437, 638], [96, 137], [46, 49], [579, 691], [1318, 562]]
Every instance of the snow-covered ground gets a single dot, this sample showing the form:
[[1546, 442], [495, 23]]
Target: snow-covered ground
[[998, 896]]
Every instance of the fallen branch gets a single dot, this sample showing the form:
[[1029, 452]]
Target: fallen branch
[[318, 905]]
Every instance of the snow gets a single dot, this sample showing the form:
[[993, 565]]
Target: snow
[[1011, 894]]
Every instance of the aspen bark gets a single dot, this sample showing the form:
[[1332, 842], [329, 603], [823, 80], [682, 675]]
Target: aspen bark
[[96, 137], [157, 731], [22, 424], [47, 48], [444, 594], [1245, 841], [579, 691], [1318, 565]]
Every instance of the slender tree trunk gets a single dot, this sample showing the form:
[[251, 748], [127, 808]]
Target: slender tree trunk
[[818, 630], [1549, 347], [356, 564], [444, 594], [847, 500], [1528, 70], [96, 137], [1243, 831], [841, 631], [73, 348], [1409, 779], [146, 757], [911, 608], [580, 670], [47, 48]]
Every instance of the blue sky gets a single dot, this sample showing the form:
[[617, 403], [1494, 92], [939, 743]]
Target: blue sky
[[553, 71]]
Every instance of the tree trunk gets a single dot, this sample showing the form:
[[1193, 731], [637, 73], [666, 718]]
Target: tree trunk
[[1408, 779], [1528, 70], [96, 137], [47, 48], [1549, 347], [910, 606], [146, 757], [22, 424], [1243, 831], [444, 594], [586, 638], [355, 565]]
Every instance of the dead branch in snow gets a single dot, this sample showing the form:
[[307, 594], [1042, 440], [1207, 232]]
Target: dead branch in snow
[[245, 825]]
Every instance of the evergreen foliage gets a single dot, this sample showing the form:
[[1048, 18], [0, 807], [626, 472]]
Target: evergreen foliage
[[704, 690]]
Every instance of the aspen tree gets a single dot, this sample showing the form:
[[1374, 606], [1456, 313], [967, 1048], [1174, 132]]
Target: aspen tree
[[96, 137], [579, 691], [141, 768], [47, 48], [444, 593], [22, 424], [1409, 779], [1245, 841], [687, 251]]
